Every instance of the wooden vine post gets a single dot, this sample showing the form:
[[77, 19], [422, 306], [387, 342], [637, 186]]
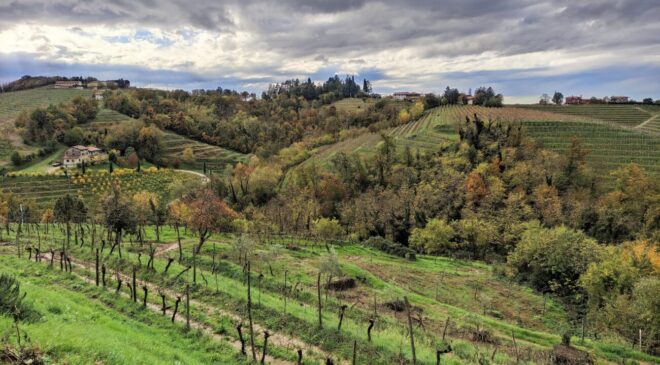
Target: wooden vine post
[[318, 292], [410, 329], [249, 304]]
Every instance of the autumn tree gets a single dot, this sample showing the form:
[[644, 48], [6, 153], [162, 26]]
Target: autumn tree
[[208, 214]]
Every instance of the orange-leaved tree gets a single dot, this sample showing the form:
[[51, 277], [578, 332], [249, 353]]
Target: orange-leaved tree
[[207, 214]]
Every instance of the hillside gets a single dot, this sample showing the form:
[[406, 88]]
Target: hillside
[[44, 189], [622, 115], [13, 103], [610, 146], [464, 303]]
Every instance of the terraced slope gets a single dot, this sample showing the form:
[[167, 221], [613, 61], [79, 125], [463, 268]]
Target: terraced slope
[[216, 158], [13, 103], [45, 189], [107, 118], [609, 146], [624, 115]]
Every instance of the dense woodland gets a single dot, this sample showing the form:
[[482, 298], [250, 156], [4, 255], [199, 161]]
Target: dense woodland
[[495, 195]]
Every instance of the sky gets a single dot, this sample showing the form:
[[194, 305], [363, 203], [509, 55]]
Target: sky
[[522, 48]]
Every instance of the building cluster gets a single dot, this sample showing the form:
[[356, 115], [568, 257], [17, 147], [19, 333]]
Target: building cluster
[[578, 100], [76, 155]]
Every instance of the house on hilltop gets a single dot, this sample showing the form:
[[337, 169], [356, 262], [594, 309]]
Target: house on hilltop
[[68, 84], [619, 99], [574, 100], [407, 96], [75, 155]]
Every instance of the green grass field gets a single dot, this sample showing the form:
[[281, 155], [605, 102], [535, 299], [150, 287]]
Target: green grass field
[[353, 104], [82, 324], [107, 118], [45, 189], [469, 293]]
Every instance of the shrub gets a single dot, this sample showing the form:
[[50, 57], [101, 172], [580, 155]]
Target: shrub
[[390, 247]]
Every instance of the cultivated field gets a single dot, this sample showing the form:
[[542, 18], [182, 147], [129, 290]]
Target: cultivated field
[[107, 118], [45, 189], [454, 302], [216, 158], [623, 115], [353, 104]]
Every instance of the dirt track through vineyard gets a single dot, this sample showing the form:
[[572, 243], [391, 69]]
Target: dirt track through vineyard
[[275, 338]]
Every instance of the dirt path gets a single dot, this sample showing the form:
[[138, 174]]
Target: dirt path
[[276, 338], [163, 249], [642, 124], [204, 177], [180, 315]]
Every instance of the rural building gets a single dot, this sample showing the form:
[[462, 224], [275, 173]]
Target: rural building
[[574, 100], [68, 84], [98, 95], [469, 100], [619, 99], [75, 155], [408, 96]]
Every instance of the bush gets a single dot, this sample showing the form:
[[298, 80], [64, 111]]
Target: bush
[[390, 247]]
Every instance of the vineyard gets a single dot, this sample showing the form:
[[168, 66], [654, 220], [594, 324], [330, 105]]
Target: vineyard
[[353, 104], [453, 302], [44, 189], [623, 115], [609, 147], [107, 118], [216, 158], [13, 103]]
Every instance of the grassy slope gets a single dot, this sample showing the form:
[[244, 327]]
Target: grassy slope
[[13, 103], [82, 324], [468, 292]]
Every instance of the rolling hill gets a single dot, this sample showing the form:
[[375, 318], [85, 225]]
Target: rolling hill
[[611, 144], [13, 103]]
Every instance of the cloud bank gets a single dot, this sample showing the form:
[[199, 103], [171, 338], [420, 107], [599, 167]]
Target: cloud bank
[[522, 47]]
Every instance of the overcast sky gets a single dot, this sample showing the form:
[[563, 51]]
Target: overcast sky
[[523, 48]]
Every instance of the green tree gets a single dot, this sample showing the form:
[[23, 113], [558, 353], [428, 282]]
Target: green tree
[[477, 236], [434, 239], [553, 259], [558, 98], [69, 209]]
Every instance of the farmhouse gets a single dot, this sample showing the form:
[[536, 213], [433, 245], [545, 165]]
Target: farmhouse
[[68, 84], [574, 100], [619, 99], [98, 94], [408, 96], [75, 155]]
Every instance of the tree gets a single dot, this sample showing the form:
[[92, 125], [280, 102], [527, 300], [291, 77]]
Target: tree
[[188, 156], [545, 99], [178, 215], [207, 214], [119, 216], [558, 98], [553, 259], [16, 158], [150, 143], [327, 228], [434, 239], [366, 86], [13, 304], [69, 209], [477, 236]]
